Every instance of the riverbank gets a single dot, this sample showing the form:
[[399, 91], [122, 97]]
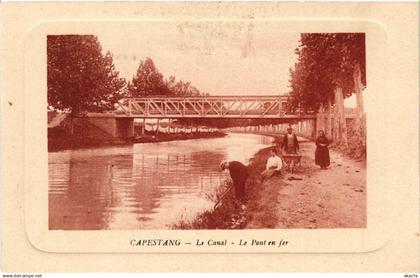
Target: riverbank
[[311, 198], [229, 214], [59, 139], [259, 200]]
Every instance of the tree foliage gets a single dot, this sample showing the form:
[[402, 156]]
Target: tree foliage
[[148, 81], [181, 88], [80, 77], [325, 61]]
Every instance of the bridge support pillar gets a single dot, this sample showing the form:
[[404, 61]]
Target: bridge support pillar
[[121, 128], [98, 124], [124, 128], [105, 126]]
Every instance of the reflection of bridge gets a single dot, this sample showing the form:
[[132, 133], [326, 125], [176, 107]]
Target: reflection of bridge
[[234, 107]]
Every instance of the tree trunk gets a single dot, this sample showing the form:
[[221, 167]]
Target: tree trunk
[[360, 128], [328, 124], [320, 119], [336, 126], [339, 119], [357, 78], [75, 111], [71, 125]]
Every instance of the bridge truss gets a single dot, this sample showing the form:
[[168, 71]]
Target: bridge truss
[[237, 107]]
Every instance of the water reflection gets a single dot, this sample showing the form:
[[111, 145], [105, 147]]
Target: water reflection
[[144, 186]]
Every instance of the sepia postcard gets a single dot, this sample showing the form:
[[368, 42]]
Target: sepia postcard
[[210, 136]]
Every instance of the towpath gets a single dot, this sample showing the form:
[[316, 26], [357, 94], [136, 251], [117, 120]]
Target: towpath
[[332, 198]]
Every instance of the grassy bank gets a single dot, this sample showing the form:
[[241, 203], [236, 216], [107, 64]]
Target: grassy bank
[[259, 212]]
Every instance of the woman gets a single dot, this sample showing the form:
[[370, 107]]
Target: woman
[[322, 154], [273, 166], [239, 174]]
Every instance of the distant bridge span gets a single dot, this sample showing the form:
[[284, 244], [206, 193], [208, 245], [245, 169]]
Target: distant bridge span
[[233, 107]]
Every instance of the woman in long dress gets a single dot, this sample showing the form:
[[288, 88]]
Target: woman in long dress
[[322, 154]]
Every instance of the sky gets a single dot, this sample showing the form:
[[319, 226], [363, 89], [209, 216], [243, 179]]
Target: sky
[[223, 58], [219, 58]]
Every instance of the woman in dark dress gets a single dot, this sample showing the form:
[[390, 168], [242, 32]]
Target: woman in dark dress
[[322, 154]]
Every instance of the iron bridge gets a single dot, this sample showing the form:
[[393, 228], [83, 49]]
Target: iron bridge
[[234, 107]]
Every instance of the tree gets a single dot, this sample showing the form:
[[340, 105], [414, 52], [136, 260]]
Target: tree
[[182, 88], [80, 77], [326, 61], [330, 67], [148, 81]]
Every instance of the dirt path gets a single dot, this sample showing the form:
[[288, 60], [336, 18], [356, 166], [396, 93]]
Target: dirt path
[[333, 198]]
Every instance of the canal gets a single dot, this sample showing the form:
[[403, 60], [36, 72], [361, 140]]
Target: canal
[[142, 186]]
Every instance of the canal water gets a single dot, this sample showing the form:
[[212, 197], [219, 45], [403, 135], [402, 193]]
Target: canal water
[[143, 186]]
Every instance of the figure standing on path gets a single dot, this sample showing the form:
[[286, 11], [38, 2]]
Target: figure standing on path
[[322, 154], [239, 174], [290, 144]]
